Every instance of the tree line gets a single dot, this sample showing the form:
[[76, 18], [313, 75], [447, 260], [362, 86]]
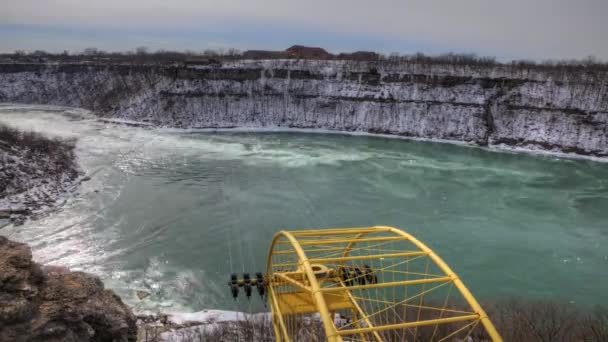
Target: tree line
[[143, 55]]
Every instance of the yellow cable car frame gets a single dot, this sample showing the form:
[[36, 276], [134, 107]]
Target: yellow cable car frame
[[362, 284]]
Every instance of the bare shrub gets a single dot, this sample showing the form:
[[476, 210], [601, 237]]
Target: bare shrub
[[248, 329], [516, 320], [55, 157]]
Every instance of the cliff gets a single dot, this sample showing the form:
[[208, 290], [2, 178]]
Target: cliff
[[564, 111], [51, 304]]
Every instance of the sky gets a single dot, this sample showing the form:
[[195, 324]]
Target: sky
[[507, 29]]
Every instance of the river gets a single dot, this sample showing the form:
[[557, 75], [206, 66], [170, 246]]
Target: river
[[174, 212]]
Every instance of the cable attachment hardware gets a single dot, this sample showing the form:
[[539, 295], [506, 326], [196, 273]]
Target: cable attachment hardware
[[248, 283]]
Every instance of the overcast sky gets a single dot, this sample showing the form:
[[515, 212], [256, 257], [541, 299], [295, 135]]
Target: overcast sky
[[537, 29]]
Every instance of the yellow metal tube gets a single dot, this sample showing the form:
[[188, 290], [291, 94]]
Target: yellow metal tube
[[317, 295], [367, 257], [346, 240], [338, 231], [409, 325], [356, 320], [355, 257], [292, 282], [350, 245], [325, 249], [389, 284], [275, 313]]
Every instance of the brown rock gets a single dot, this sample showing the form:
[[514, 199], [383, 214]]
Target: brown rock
[[17, 271], [58, 306]]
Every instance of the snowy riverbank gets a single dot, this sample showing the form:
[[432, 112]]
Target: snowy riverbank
[[35, 173]]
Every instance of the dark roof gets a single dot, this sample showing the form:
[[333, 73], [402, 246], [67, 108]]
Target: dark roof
[[300, 51]]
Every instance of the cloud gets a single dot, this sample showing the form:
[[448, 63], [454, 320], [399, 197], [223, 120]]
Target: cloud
[[518, 28]]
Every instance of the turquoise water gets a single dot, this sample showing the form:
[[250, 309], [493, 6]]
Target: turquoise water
[[174, 212]]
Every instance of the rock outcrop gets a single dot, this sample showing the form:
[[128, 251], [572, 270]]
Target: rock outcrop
[[530, 107], [38, 304]]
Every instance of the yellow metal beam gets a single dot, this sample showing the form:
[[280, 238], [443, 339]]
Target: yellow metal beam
[[317, 295], [408, 325], [338, 231], [388, 284], [276, 312], [292, 282], [346, 240], [367, 257], [349, 247], [356, 257]]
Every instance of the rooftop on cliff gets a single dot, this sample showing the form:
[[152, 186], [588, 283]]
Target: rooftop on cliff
[[306, 52]]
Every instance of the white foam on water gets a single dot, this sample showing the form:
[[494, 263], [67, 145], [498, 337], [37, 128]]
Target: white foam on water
[[135, 147]]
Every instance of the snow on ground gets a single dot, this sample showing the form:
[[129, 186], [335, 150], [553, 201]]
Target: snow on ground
[[214, 316], [35, 174]]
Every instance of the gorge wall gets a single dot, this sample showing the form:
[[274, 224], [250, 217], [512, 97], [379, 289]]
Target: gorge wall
[[564, 111]]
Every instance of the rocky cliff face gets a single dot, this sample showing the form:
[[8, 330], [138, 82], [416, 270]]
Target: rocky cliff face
[[533, 108], [51, 304]]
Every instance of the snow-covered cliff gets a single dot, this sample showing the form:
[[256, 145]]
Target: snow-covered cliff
[[532, 108]]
